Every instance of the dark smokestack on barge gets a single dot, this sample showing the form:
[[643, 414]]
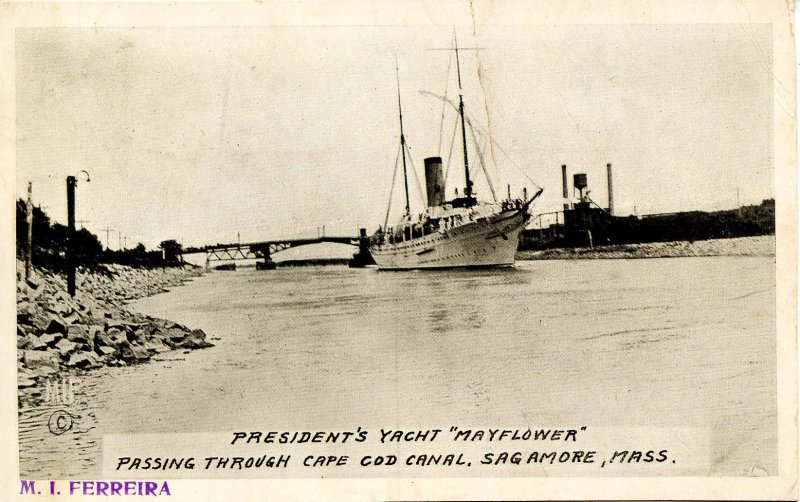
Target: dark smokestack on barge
[[434, 182], [610, 191], [564, 185]]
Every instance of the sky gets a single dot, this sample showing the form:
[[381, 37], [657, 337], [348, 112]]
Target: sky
[[210, 135]]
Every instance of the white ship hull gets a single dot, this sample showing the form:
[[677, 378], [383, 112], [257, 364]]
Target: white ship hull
[[487, 242]]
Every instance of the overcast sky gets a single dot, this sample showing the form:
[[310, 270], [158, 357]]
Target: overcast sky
[[197, 134]]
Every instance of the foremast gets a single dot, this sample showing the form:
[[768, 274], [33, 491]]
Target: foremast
[[402, 138]]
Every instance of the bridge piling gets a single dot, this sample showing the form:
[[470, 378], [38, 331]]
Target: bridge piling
[[362, 258]]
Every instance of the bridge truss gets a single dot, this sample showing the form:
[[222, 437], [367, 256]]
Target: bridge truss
[[263, 250]]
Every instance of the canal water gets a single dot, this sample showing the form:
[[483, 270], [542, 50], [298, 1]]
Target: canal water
[[650, 343]]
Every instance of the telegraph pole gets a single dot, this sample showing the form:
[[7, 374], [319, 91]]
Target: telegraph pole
[[108, 242], [71, 182], [29, 220]]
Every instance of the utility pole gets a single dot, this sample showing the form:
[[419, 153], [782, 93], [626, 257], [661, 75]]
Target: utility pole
[[29, 220], [82, 222], [108, 242], [71, 181]]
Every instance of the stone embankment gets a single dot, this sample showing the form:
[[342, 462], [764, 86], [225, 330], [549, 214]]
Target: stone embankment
[[743, 246], [56, 332]]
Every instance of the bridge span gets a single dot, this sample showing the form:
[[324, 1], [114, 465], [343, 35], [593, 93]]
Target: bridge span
[[265, 249]]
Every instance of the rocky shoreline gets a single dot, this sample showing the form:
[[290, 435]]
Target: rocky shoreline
[[58, 334], [742, 246]]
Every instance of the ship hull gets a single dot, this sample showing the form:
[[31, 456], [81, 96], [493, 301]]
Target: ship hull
[[487, 242]]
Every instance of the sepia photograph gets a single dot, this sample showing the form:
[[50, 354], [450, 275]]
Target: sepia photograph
[[454, 250]]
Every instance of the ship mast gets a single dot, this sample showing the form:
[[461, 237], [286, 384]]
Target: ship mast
[[468, 188], [402, 136]]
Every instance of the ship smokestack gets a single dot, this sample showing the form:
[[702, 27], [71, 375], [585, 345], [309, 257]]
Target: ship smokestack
[[434, 182], [610, 191], [566, 188]]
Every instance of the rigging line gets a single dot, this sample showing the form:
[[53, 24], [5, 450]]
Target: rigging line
[[450, 154], [391, 190], [485, 105], [444, 105], [499, 147], [416, 178], [479, 128], [483, 164]]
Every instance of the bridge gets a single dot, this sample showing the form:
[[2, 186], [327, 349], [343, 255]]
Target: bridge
[[265, 249]]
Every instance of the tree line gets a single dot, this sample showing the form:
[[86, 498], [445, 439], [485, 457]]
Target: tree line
[[50, 240]]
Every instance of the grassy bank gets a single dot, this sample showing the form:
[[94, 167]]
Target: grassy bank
[[743, 246]]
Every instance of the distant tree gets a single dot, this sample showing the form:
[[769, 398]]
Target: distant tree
[[87, 247], [58, 237], [41, 226], [172, 249]]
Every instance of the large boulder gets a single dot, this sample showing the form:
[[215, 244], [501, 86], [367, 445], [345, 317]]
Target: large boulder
[[25, 312], [63, 296], [102, 339], [40, 362], [41, 320], [34, 281], [50, 339], [56, 325], [131, 352], [156, 345], [140, 335], [175, 335], [33, 294], [33, 342], [84, 360], [23, 339], [196, 340], [21, 331], [116, 336], [66, 347], [105, 350], [95, 329], [115, 324], [72, 317], [79, 334]]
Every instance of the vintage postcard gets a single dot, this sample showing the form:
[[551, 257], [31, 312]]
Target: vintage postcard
[[399, 250]]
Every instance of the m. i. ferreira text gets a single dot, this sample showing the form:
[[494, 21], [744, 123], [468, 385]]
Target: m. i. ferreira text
[[101, 488]]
